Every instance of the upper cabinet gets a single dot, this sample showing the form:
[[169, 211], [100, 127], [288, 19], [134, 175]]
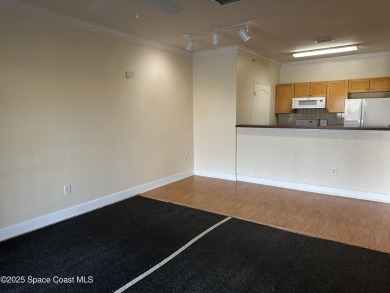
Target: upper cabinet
[[284, 96], [301, 89], [380, 84], [310, 89], [366, 85], [337, 94], [359, 85], [318, 89]]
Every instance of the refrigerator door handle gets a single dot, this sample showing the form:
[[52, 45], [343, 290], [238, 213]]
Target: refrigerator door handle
[[362, 112]]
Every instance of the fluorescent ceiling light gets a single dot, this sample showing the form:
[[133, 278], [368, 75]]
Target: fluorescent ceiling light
[[326, 51]]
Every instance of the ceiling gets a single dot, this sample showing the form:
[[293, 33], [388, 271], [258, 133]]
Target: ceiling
[[280, 27]]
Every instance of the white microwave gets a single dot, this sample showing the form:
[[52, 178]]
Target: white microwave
[[308, 103]]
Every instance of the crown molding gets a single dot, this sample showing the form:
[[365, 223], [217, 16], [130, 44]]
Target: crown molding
[[340, 58], [234, 49], [50, 15], [216, 51], [252, 53]]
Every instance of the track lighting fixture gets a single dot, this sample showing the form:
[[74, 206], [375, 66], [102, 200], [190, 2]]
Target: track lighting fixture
[[244, 34], [326, 51], [190, 45], [216, 38]]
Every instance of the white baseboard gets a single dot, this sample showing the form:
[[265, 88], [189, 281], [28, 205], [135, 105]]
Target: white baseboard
[[34, 224], [226, 176], [373, 196]]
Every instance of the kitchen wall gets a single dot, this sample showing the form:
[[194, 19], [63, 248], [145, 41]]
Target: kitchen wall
[[332, 119], [68, 115], [253, 68], [360, 66], [215, 87], [341, 68]]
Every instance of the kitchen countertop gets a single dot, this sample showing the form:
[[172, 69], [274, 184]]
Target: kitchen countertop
[[312, 127]]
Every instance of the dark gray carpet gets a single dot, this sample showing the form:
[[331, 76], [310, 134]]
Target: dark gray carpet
[[113, 245], [239, 256]]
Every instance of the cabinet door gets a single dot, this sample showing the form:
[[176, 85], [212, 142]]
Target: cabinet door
[[380, 84], [301, 90], [284, 95], [337, 93], [318, 89], [359, 85]]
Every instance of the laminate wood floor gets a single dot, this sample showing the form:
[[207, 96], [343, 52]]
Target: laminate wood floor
[[352, 221]]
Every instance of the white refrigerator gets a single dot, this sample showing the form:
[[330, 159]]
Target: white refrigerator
[[374, 112]]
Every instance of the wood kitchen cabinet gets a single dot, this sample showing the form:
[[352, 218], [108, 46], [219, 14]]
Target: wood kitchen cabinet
[[337, 94], [366, 85], [310, 89], [301, 89], [318, 89], [359, 85], [380, 84], [335, 91], [284, 96]]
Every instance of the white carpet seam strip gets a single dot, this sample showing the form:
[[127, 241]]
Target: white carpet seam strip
[[173, 255]]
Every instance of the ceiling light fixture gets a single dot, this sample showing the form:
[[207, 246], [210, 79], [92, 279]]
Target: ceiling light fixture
[[326, 51], [243, 33], [216, 38], [190, 45]]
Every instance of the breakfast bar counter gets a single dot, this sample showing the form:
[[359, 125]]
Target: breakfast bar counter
[[333, 160], [312, 127]]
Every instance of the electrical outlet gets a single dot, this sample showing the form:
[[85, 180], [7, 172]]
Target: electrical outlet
[[334, 171], [185, 159], [67, 189]]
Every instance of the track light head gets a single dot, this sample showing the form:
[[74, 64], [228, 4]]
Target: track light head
[[244, 35], [190, 45], [216, 38]]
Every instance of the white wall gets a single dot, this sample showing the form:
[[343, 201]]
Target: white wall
[[252, 68], [361, 66], [69, 116], [223, 97], [304, 159], [215, 86]]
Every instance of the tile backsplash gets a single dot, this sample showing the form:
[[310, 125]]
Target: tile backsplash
[[334, 119]]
